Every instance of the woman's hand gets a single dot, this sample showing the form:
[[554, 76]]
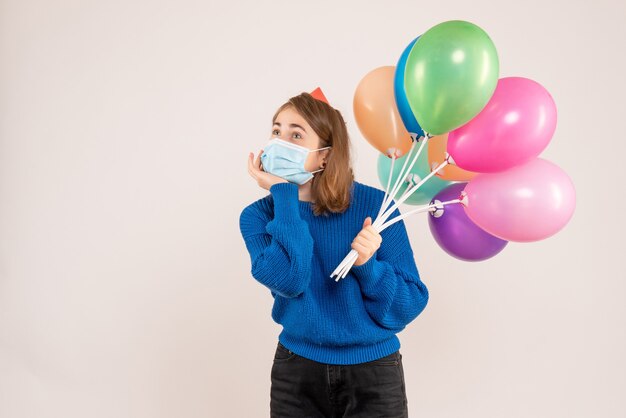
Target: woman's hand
[[263, 178], [367, 242]]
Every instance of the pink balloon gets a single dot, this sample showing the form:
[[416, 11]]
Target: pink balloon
[[514, 127], [526, 203]]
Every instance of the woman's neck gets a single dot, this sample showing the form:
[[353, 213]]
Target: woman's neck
[[304, 192]]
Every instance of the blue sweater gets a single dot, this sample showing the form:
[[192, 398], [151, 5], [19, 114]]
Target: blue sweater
[[293, 252]]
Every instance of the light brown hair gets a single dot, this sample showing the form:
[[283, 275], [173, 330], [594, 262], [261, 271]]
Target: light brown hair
[[330, 188]]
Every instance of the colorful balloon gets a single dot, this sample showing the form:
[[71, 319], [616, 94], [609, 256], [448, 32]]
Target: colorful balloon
[[376, 114], [456, 234], [420, 169], [529, 202], [516, 126], [451, 73], [402, 103], [437, 150]]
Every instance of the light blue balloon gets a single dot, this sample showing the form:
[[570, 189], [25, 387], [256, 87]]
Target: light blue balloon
[[420, 169], [402, 103]]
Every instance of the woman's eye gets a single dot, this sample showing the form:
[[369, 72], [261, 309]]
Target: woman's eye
[[297, 135], [275, 132]]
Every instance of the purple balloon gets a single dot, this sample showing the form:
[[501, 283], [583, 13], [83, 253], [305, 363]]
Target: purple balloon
[[455, 232]]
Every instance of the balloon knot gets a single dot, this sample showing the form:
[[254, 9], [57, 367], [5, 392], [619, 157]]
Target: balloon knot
[[464, 199], [437, 210]]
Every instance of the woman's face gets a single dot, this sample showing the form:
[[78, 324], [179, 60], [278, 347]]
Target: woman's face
[[291, 127]]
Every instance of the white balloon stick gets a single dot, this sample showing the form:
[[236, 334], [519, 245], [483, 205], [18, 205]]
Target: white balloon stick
[[403, 172], [429, 208], [346, 268], [345, 260], [349, 261], [401, 175], [382, 222], [409, 192], [352, 256], [393, 160]]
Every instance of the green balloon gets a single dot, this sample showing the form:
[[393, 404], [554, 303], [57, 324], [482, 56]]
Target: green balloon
[[450, 75], [425, 193]]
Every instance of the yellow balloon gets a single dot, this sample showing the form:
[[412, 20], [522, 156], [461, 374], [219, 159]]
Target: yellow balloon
[[376, 113]]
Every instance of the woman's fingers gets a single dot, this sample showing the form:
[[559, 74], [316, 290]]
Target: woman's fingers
[[371, 235], [251, 169], [359, 248], [262, 177], [365, 243], [257, 162]]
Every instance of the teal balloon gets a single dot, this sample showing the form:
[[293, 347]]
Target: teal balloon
[[450, 75], [426, 192]]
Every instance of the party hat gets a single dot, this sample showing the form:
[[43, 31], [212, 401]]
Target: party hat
[[317, 94]]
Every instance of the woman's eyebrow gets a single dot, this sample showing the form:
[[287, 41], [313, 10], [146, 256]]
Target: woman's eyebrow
[[292, 125]]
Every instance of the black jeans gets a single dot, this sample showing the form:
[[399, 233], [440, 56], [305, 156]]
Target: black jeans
[[302, 388]]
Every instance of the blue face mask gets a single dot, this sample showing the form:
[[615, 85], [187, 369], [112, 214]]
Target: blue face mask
[[286, 160]]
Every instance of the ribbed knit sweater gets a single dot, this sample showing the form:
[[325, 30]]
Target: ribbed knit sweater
[[293, 252]]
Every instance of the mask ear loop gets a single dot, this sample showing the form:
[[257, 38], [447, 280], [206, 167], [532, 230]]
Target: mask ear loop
[[319, 149]]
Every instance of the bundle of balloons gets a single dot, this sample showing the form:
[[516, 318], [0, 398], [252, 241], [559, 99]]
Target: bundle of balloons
[[483, 134]]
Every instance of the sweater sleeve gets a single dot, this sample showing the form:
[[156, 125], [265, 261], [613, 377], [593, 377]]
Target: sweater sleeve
[[280, 249], [392, 290]]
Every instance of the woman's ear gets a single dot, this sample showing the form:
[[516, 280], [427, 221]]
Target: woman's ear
[[324, 157]]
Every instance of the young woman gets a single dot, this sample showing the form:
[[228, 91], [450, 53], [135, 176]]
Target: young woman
[[338, 353]]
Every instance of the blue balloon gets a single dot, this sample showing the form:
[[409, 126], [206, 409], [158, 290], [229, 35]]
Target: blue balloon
[[410, 123]]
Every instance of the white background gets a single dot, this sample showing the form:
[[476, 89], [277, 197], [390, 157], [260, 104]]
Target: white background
[[125, 286]]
